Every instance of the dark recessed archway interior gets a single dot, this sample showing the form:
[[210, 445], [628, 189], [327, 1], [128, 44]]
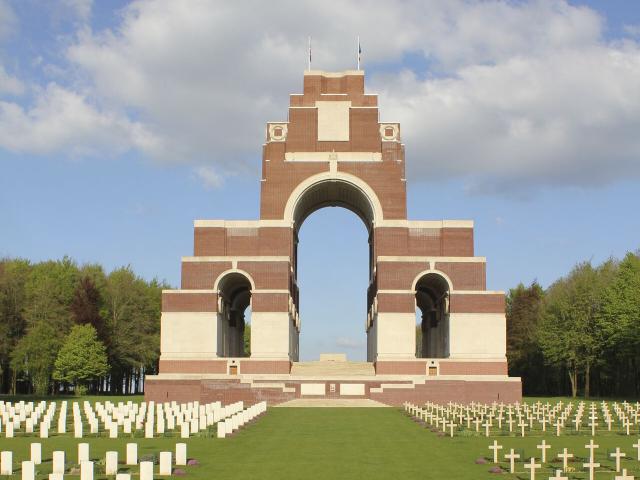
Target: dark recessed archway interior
[[235, 290], [432, 291]]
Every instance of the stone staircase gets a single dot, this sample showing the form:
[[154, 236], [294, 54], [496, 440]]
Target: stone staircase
[[332, 369]]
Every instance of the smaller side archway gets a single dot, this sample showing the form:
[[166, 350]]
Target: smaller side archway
[[432, 309], [234, 301]]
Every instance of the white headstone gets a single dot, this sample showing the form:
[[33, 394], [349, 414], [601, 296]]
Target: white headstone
[[146, 470], [181, 453], [83, 452], [222, 430], [58, 462], [28, 470], [9, 431], [132, 453], [123, 476], [148, 430], [36, 453], [86, 471], [6, 463], [165, 463], [184, 430], [56, 476], [111, 463]]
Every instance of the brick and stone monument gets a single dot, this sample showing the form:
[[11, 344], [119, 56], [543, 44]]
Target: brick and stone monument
[[333, 151]]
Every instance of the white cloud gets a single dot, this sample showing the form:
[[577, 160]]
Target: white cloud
[[568, 117], [518, 94], [208, 176], [63, 120], [9, 84]]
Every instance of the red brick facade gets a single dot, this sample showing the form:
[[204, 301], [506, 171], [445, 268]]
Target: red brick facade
[[301, 173]]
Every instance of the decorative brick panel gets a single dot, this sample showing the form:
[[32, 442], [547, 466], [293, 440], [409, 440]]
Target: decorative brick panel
[[396, 303], [276, 367], [465, 276], [189, 302], [209, 241], [202, 275], [401, 368], [457, 242], [473, 368], [193, 366], [268, 275], [477, 303], [270, 302]]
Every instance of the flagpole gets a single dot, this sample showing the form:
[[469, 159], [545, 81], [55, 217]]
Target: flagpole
[[358, 52], [309, 58]]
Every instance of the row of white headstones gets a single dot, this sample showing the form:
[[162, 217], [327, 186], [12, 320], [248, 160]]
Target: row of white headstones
[[28, 469], [155, 419], [557, 417], [532, 466]]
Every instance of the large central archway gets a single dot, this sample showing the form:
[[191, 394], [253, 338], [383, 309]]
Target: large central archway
[[334, 191]]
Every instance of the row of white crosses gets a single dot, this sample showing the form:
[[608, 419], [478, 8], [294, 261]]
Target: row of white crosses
[[564, 455], [521, 418], [154, 419], [87, 466]]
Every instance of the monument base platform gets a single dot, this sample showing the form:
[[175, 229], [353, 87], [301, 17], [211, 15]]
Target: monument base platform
[[382, 382]]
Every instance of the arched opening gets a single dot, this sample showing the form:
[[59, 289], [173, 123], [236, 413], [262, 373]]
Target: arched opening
[[432, 316], [234, 314], [338, 271]]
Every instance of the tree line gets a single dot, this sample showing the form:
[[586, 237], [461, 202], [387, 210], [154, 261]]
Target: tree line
[[66, 325], [581, 335]]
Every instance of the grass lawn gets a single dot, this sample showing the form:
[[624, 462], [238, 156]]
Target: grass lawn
[[330, 443]]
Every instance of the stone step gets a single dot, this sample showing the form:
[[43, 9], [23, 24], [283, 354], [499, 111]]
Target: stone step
[[332, 402], [332, 369]]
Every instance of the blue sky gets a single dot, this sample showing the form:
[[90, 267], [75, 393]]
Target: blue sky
[[120, 124]]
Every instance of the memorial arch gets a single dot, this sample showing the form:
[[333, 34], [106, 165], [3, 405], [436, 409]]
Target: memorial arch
[[333, 150]]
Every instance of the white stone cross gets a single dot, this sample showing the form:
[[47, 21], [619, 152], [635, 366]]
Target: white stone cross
[[477, 421], [624, 475], [591, 466], [543, 447], [558, 425], [557, 476], [565, 455], [512, 456], [495, 447], [591, 447], [593, 424], [637, 446], [451, 426], [533, 466], [522, 425], [618, 455], [544, 422], [486, 426]]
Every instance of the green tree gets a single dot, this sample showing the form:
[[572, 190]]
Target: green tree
[[571, 334], [247, 340], [13, 276], [35, 354], [132, 316], [82, 359], [524, 314], [620, 323]]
